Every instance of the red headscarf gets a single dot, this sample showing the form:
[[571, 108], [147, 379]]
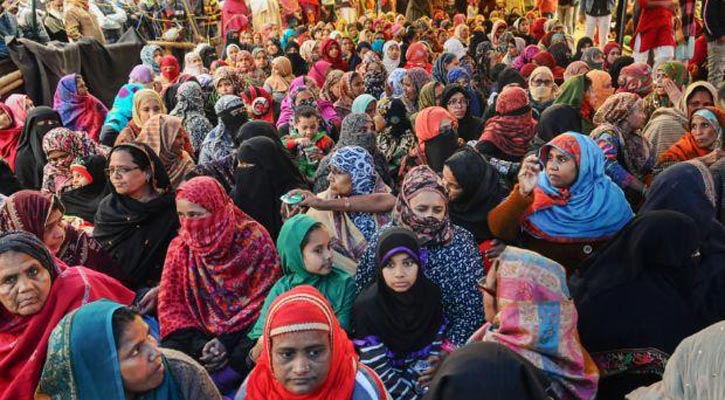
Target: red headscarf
[[9, 138], [417, 56], [337, 62], [173, 75], [24, 340], [428, 124], [513, 127], [545, 59], [537, 28], [304, 309], [261, 102], [219, 268], [607, 48]]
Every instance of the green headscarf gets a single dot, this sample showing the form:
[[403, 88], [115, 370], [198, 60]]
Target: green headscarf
[[427, 95], [572, 93], [361, 103], [82, 359], [676, 71], [338, 286]]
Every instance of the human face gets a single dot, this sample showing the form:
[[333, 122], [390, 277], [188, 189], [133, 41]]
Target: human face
[[126, 177], [317, 253], [700, 99], [373, 68], [560, 168], [428, 203], [371, 109], [334, 51], [394, 52], [457, 105], [139, 358], [260, 61], [614, 54], [410, 93], [196, 62], [590, 96], [5, 120], [245, 64], [347, 46], [168, 69], [513, 50], [463, 33], [703, 131], [301, 360], [81, 86], [303, 96], [357, 86], [340, 182], [187, 209], [24, 283], [79, 180], [59, 158], [245, 37], [524, 26], [233, 53], [400, 273], [455, 190], [438, 92], [54, 231], [147, 109], [271, 47], [442, 36], [224, 87], [316, 56], [637, 118]]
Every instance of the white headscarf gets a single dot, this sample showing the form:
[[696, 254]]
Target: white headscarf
[[389, 63], [454, 45]]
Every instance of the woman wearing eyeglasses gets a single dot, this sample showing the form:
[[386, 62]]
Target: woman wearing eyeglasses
[[136, 222], [457, 100]]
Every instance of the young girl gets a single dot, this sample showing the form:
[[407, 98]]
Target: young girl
[[398, 324], [306, 256]]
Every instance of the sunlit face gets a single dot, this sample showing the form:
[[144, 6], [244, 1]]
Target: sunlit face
[[513, 51], [457, 105], [317, 253], [307, 126], [463, 33], [560, 168], [698, 100], [703, 131], [5, 120], [410, 93], [357, 86], [196, 62], [139, 358], [224, 87], [400, 273], [316, 55], [232, 53], [348, 46], [79, 180], [455, 190], [125, 175], [394, 52], [24, 283], [245, 63], [301, 361], [147, 109], [340, 182], [81, 86], [187, 209], [54, 231], [245, 37], [429, 203]]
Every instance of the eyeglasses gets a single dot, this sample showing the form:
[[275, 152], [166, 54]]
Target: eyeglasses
[[458, 103], [120, 170], [481, 285]]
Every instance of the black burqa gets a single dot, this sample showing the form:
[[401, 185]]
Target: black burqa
[[137, 234], [267, 174], [83, 202], [8, 182], [299, 66], [30, 159], [483, 190], [469, 127], [404, 322], [491, 371], [636, 294]]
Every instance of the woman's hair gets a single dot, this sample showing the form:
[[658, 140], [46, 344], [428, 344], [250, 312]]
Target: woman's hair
[[122, 318], [306, 239], [699, 89], [138, 156]]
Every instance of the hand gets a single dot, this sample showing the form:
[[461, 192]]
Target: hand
[[303, 141], [309, 201], [712, 157], [214, 355], [673, 92], [427, 376], [497, 247], [529, 175], [148, 302]]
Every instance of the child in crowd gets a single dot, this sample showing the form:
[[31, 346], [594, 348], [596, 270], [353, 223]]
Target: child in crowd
[[308, 141]]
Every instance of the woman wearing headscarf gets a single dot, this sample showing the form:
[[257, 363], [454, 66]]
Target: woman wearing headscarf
[[566, 211], [374, 75], [365, 103], [332, 53], [299, 315], [319, 71], [61, 146], [10, 132], [120, 114], [278, 83], [228, 262], [522, 282], [436, 131], [26, 330], [330, 91], [351, 86], [417, 57], [545, 59], [398, 325], [575, 68], [170, 71], [669, 83], [442, 65], [397, 138], [265, 172], [136, 222], [579, 93], [146, 104], [391, 56], [542, 90], [151, 55], [413, 82], [231, 51], [326, 109], [704, 140], [474, 188], [635, 78], [299, 65], [455, 47], [88, 356], [165, 135], [454, 263], [190, 108], [526, 56], [611, 52], [79, 110], [650, 260], [19, 104], [629, 157], [594, 57], [394, 87], [219, 142], [667, 125], [507, 134], [601, 85], [457, 101], [30, 157]]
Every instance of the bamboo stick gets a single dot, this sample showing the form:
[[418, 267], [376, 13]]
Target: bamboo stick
[[11, 77], [12, 86]]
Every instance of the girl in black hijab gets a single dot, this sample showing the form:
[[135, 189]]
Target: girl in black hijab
[[469, 127], [265, 172], [292, 52], [398, 324], [137, 233], [30, 157], [634, 300], [83, 201], [475, 188]]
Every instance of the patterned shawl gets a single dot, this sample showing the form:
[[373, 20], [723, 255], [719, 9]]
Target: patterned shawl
[[165, 136], [57, 176], [78, 113]]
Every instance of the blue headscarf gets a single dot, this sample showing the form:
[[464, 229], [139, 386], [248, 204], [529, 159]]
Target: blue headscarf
[[358, 163], [592, 208], [288, 34], [439, 68], [457, 73], [377, 46], [82, 358], [147, 57], [395, 80], [361, 103], [122, 110]]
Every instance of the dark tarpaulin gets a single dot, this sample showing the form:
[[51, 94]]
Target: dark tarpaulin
[[104, 69]]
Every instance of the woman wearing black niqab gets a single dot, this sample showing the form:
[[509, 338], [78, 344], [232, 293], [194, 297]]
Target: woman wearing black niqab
[[30, 157], [292, 52]]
